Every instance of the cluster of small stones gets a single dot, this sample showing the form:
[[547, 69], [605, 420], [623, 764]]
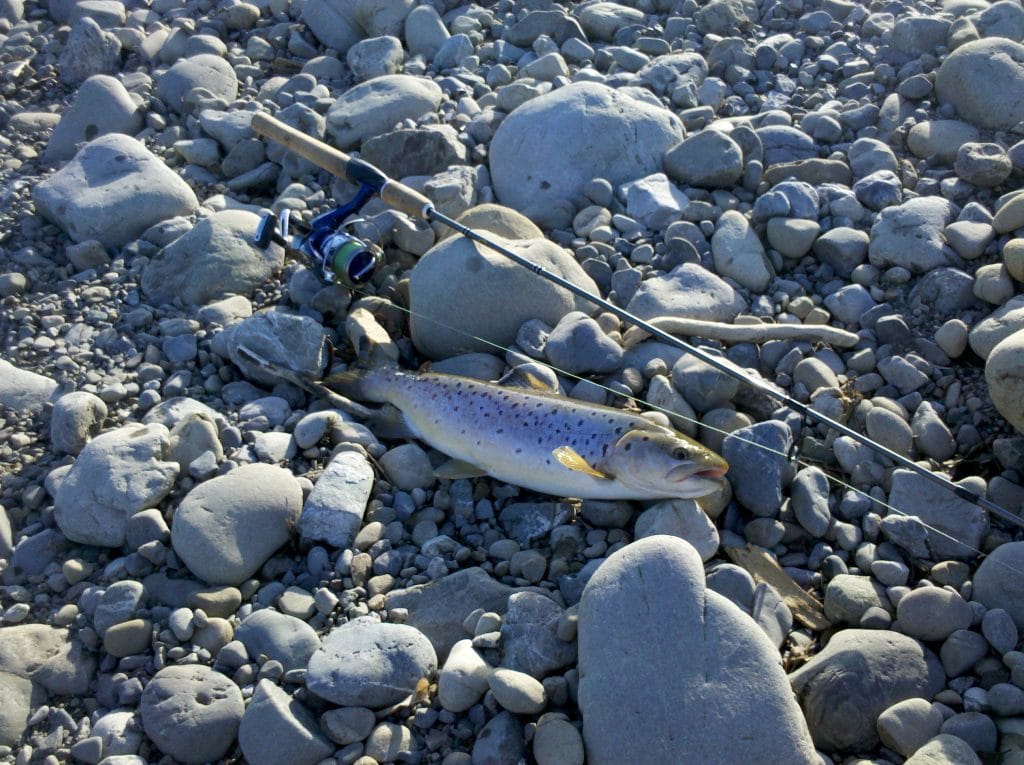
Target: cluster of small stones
[[201, 562]]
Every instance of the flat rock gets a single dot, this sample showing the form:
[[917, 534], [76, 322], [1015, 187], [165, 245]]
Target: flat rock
[[276, 728], [47, 656], [368, 663], [912, 235], [116, 475], [279, 636], [101, 106], [374, 107], [688, 291], [438, 609], [24, 390], [445, 322], [649, 631], [536, 173], [333, 511], [871, 670], [111, 191], [191, 712], [226, 528], [291, 340], [216, 258], [961, 525]]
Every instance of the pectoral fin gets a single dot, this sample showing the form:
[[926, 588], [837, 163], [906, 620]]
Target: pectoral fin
[[455, 469], [571, 459]]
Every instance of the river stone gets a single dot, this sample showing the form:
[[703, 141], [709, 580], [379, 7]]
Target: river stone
[[112, 191], [214, 259], [960, 525], [279, 636], [374, 107], [20, 697], [757, 474], [944, 749], [738, 253], [907, 725], [438, 608], [191, 712], [1005, 321], [688, 291], [618, 138], [367, 663], [226, 528], [207, 71], [1004, 374], [116, 475], [912, 235], [997, 581], [446, 322], [23, 390], [649, 631], [984, 80], [940, 138], [49, 657], [870, 670], [76, 417], [89, 50], [279, 336], [333, 511], [276, 728], [340, 24], [101, 106], [462, 681], [708, 159]]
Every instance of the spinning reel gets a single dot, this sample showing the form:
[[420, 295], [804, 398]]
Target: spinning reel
[[336, 255]]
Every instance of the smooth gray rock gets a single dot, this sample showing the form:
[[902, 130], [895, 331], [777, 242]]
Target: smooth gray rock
[[20, 697], [908, 725], [997, 326], [445, 321], [101, 106], [538, 174], [333, 511], [370, 664], [983, 80], [438, 609], [191, 712], [681, 518], [758, 475], [996, 582], [944, 749], [738, 253], [462, 681], [112, 191], [703, 386], [870, 670], [226, 528], [119, 603], [285, 638], [579, 346], [500, 742], [427, 150], [1004, 374], [425, 31], [688, 291], [999, 630], [649, 631], [49, 657], [24, 390], [279, 336], [654, 201], [276, 728], [941, 139], [207, 71], [912, 235], [529, 636], [116, 475], [216, 258], [76, 417], [849, 596], [376, 106], [933, 613], [708, 159]]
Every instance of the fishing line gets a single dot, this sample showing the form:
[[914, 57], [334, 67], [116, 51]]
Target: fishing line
[[800, 461]]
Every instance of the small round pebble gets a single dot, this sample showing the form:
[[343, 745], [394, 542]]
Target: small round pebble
[[517, 692]]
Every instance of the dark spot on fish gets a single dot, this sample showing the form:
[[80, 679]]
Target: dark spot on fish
[[627, 447], [519, 450]]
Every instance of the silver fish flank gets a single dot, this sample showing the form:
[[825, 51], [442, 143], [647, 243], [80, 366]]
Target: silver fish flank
[[539, 440]]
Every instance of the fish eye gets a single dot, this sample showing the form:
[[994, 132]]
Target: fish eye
[[680, 453]]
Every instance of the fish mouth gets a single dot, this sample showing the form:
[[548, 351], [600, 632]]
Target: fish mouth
[[711, 472], [682, 473]]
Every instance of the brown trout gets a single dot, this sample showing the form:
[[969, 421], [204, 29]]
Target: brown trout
[[539, 440]]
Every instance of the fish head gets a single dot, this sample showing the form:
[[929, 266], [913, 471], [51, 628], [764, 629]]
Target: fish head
[[666, 463]]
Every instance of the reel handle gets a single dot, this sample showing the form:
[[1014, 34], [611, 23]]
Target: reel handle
[[336, 162]]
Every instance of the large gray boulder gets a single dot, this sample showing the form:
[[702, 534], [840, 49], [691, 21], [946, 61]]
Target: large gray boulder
[[984, 80], [112, 191], [536, 170], [460, 291], [340, 24], [673, 672], [216, 258], [857, 676], [116, 475], [374, 107], [227, 527]]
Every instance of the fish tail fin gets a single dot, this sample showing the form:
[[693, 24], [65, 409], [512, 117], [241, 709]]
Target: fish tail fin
[[359, 383]]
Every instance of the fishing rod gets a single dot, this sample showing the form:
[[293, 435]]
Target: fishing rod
[[412, 203]]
